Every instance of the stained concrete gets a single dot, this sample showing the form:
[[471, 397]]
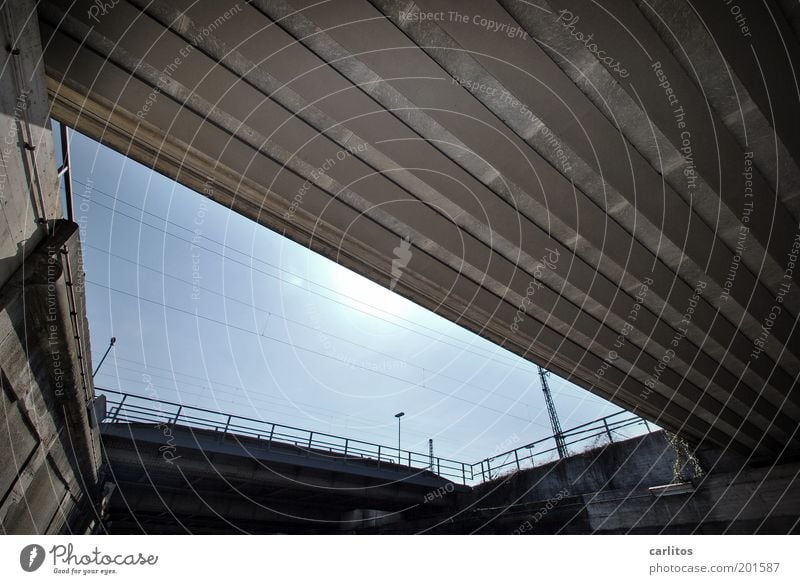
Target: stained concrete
[[49, 451], [607, 490], [50, 470]]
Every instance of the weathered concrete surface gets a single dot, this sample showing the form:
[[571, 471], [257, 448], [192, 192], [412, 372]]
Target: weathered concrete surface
[[607, 491], [49, 453], [50, 459], [178, 479], [28, 181]]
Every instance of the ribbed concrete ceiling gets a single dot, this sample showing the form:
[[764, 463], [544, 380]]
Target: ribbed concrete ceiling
[[609, 189]]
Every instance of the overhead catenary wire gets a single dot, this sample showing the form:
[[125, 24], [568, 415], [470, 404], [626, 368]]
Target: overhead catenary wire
[[304, 325], [305, 349], [305, 289], [321, 418], [562, 393], [522, 364], [268, 399]]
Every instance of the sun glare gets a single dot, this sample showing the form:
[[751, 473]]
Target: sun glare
[[371, 297]]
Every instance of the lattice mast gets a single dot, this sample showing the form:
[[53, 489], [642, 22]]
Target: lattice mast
[[558, 434]]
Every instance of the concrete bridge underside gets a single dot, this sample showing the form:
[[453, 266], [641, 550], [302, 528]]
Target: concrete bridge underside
[[197, 481], [636, 193]]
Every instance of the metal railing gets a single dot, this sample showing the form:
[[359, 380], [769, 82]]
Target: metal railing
[[527, 456], [129, 408]]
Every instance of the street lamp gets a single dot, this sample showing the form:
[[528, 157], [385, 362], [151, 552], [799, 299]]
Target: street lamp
[[398, 416], [110, 344]]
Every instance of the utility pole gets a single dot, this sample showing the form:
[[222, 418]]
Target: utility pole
[[558, 435]]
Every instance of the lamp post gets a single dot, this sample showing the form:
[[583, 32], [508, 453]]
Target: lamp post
[[110, 344], [399, 457]]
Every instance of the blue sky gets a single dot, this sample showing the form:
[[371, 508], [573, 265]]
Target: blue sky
[[225, 314]]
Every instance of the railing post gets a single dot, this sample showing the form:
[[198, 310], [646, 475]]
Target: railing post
[[464, 473], [646, 425], [346, 443], [438, 466], [119, 407], [379, 455], [271, 432], [409, 459], [608, 431], [516, 457], [483, 472], [227, 424], [310, 436], [177, 415], [488, 469]]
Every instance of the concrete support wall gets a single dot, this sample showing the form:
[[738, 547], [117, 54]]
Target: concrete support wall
[[29, 196], [608, 491], [49, 452], [50, 458]]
